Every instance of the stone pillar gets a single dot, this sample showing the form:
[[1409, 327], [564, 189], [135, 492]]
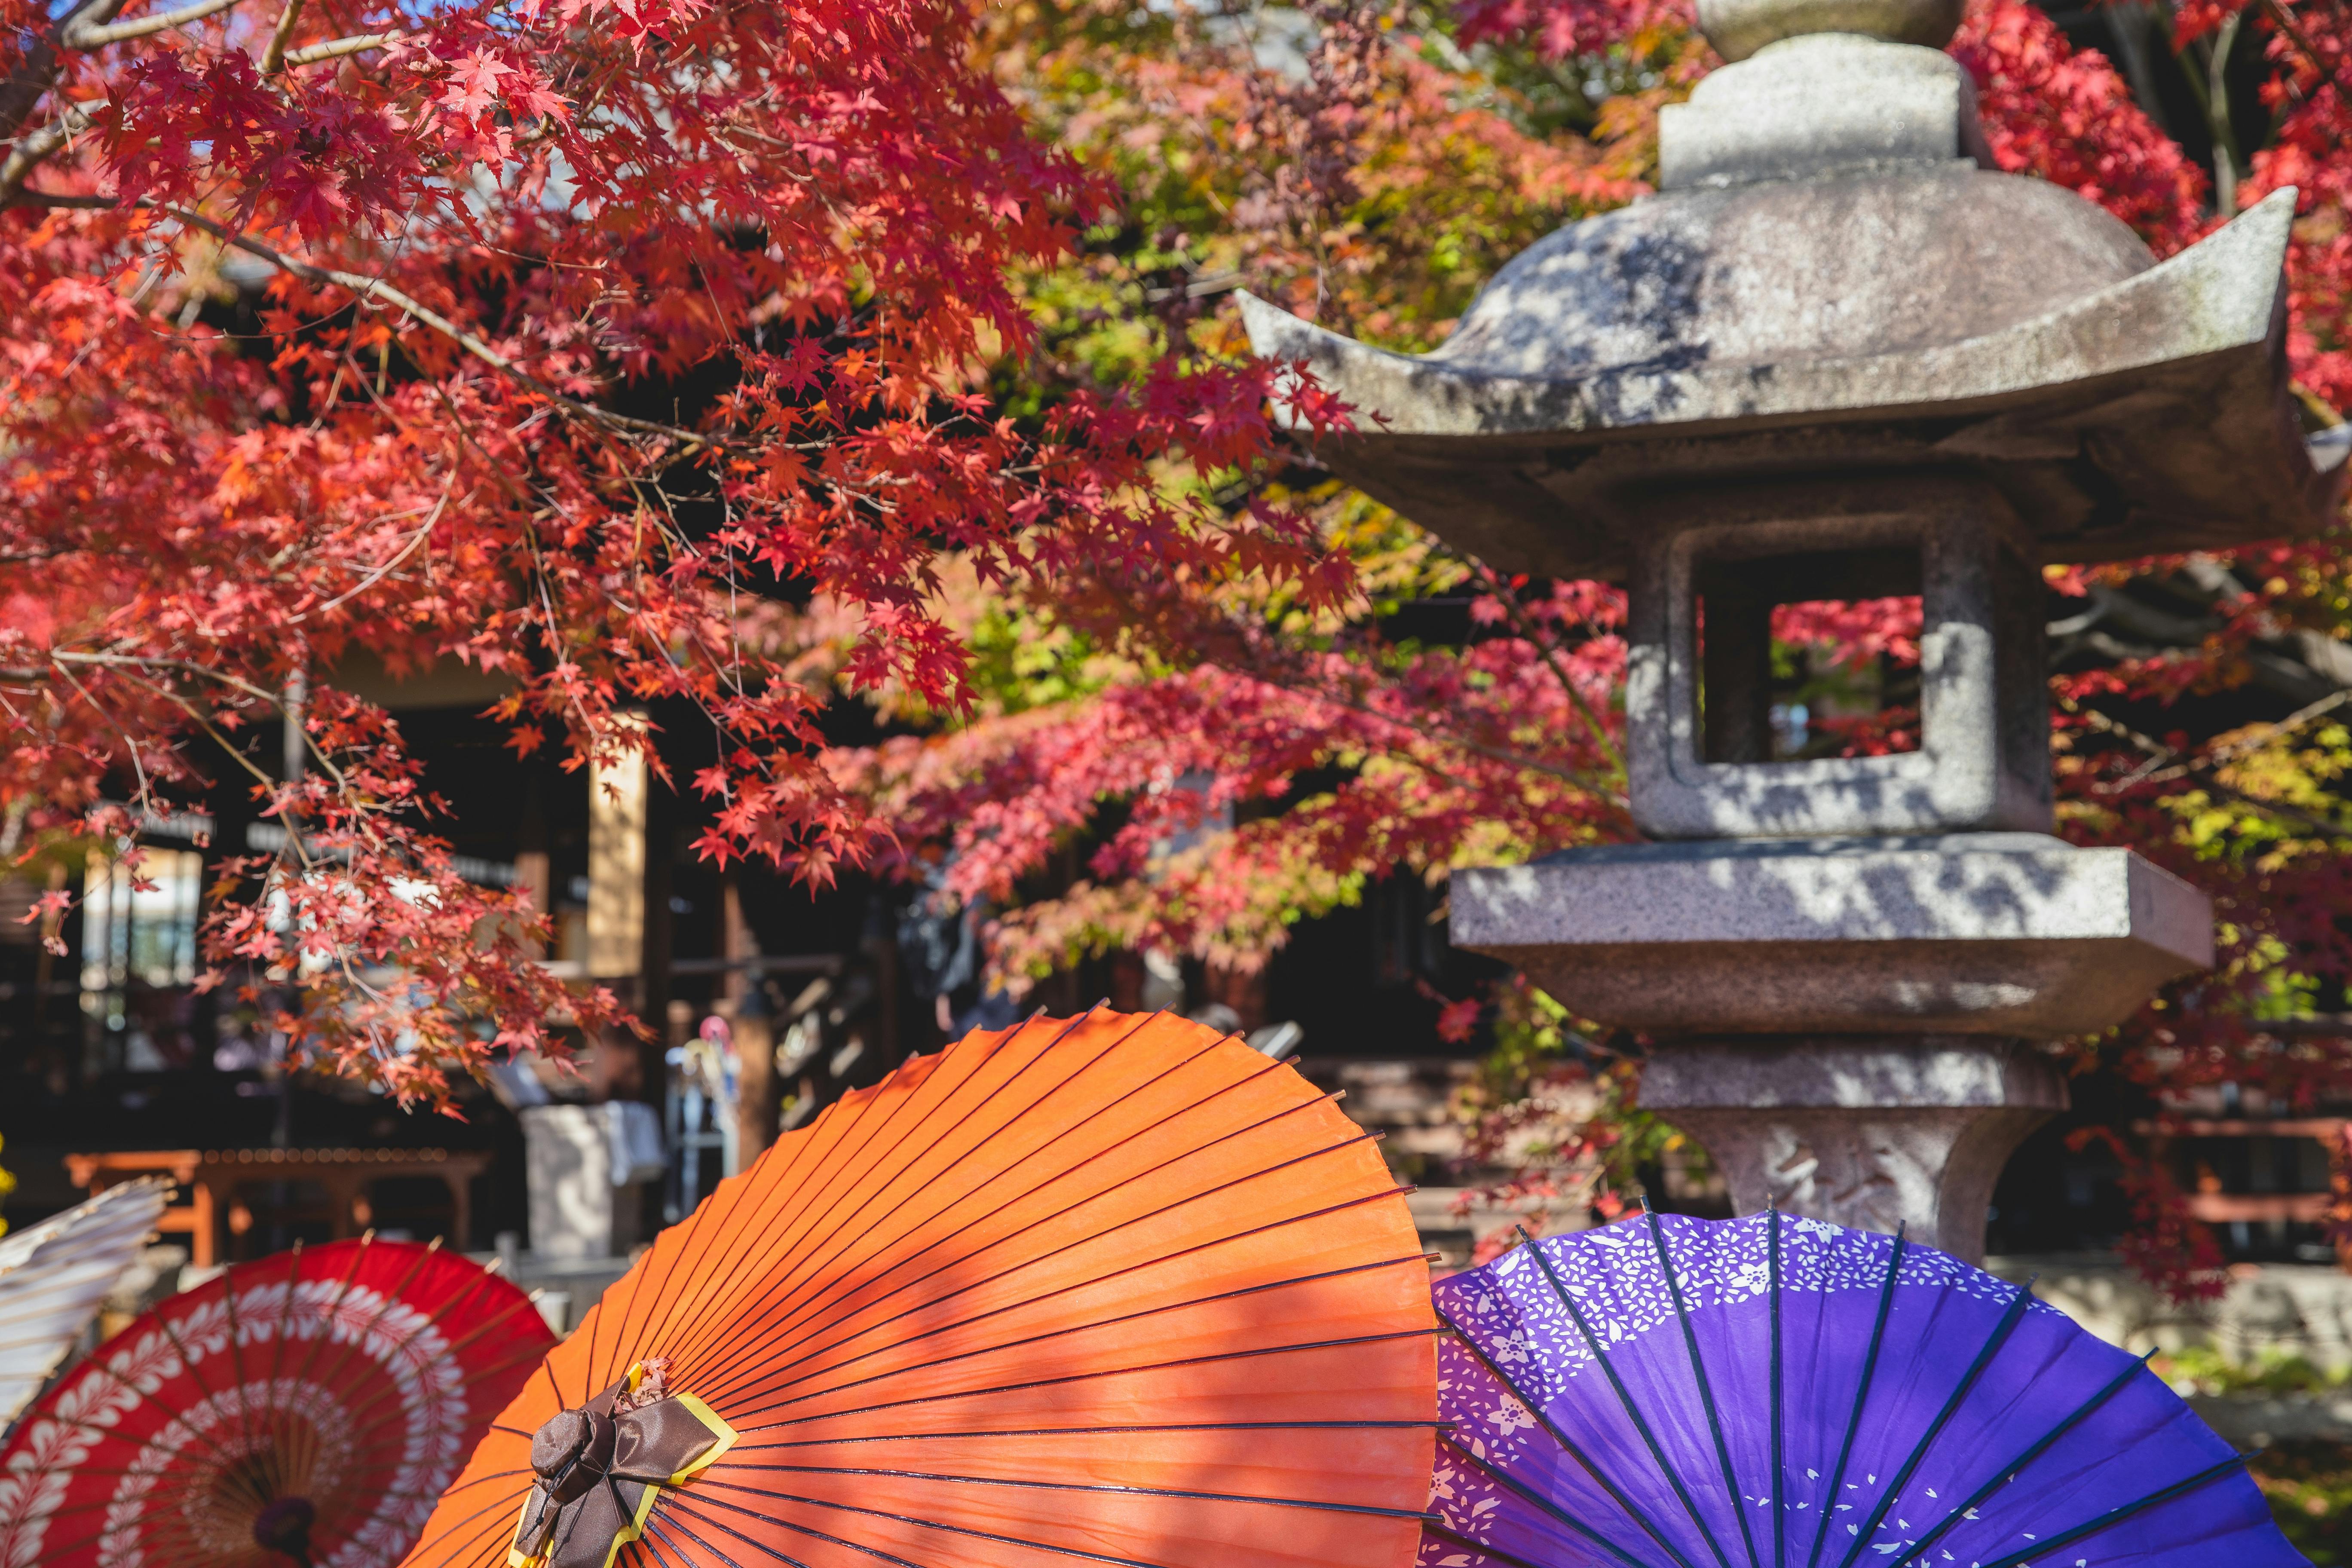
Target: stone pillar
[[1860, 1130]]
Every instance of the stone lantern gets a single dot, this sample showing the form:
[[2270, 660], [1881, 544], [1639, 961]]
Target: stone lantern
[[1838, 356]]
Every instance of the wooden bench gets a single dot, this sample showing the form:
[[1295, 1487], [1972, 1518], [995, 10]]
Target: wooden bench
[[212, 1178]]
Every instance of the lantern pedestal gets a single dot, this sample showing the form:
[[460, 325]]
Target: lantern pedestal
[[1908, 1131]]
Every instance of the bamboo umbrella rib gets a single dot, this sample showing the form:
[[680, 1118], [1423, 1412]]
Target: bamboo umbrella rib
[[1099, 1323], [1009, 1201], [963, 1529], [1568, 1445], [1502, 1478], [1124, 1430], [910, 1153], [786, 1201], [1095, 1373], [746, 1381], [979, 1176], [1031, 1484]]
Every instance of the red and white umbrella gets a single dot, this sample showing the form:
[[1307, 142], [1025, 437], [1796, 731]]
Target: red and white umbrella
[[307, 1408]]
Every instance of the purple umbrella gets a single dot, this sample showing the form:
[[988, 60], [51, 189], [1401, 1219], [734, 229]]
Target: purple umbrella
[[1778, 1392]]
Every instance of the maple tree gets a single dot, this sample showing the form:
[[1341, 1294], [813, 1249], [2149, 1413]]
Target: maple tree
[[1371, 170], [540, 337]]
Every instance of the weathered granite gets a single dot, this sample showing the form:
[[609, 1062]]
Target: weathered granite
[[1738, 28], [1960, 320], [2012, 934], [1983, 761], [1830, 103], [1866, 1133]]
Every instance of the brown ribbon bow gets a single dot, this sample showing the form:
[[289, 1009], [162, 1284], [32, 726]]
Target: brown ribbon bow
[[598, 1467]]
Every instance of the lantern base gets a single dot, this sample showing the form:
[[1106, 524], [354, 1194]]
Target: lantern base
[[1870, 1133]]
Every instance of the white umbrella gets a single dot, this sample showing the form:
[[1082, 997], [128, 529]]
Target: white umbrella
[[55, 1275]]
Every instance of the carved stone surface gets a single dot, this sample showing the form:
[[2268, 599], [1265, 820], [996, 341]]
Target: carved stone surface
[[1872, 1134], [2008, 933], [1833, 104], [1738, 28], [1867, 323], [1983, 763]]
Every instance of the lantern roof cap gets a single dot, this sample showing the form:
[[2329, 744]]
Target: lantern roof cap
[[1831, 281]]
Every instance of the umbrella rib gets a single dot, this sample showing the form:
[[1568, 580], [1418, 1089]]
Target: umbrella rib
[[1999, 1337], [2118, 1515], [452, 1347], [801, 1318], [881, 1148], [1494, 1554], [756, 1253], [1527, 1493], [739, 1384], [799, 1314], [385, 1300], [1307, 1503], [751, 1242], [2008, 1472], [818, 1327], [1625, 1398], [907, 1519], [814, 1533], [671, 1516], [1861, 1396], [1099, 1431], [1780, 1448], [1081, 1328], [261, 1463], [654, 1532], [172, 1418], [1567, 1445], [278, 1428], [481, 1532], [1088, 1377], [1698, 1372]]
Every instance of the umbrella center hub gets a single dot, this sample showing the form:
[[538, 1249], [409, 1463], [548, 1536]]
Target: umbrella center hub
[[572, 1452], [284, 1525]]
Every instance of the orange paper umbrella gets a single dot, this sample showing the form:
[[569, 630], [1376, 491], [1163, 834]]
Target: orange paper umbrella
[[306, 1409], [1111, 1290]]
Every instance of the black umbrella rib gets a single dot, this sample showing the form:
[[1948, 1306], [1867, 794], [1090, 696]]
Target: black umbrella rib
[[830, 1226], [1088, 1487], [805, 1319], [1566, 1444], [828, 1180], [1732, 1493], [1102, 1431], [2008, 1472], [1779, 1436], [905, 1519], [1861, 1397], [742, 1387], [1520, 1489], [1088, 1376], [2118, 1515], [1493, 1553], [1411, 1258], [1625, 1398], [1999, 1337], [655, 1521]]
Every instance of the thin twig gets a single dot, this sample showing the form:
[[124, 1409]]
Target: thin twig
[[371, 289], [1520, 619]]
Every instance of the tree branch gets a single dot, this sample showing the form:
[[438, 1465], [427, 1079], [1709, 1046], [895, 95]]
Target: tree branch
[[356, 44], [273, 58], [85, 35], [372, 289]]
